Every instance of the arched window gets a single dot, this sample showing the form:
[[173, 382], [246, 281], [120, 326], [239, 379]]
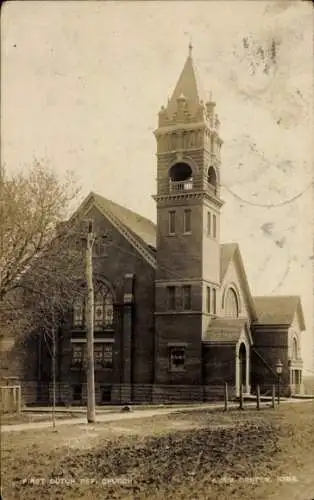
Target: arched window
[[231, 305], [180, 176], [78, 312], [212, 178], [108, 310], [103, 307], [294, 348]]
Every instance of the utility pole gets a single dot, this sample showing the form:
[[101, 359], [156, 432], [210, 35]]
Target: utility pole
[[53, 335], [91, 413]]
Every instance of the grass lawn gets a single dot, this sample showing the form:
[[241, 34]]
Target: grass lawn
[[188, 455], [25, 418]]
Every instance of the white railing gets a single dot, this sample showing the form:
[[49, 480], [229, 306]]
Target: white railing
[[179, 186]]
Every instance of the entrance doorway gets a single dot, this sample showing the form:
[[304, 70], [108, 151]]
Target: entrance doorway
[[243, 362]]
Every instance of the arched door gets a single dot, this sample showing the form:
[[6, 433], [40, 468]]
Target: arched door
[[243, 366]]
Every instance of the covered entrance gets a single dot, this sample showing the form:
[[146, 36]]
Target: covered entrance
[[243, 366], [296, 384]]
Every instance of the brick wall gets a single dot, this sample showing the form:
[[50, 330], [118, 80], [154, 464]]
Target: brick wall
[[184, 328], [219, 365], [270, 345]]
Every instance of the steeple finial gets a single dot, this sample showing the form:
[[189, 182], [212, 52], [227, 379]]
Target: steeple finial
[[190, 48]]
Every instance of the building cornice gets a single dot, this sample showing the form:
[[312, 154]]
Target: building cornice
[[191, 195]]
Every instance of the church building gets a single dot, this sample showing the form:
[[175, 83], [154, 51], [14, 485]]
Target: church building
[[174, 317]]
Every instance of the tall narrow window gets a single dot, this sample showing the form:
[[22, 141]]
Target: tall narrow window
[[212, 144], [171, 297], [99, 309], [186, 296], [108, 310], [214, 301], [78, 313], [209, 223], [208, 298], [78, 354], [187, 221], [98, 355], [172, 222], [214, 226], [231, 304]]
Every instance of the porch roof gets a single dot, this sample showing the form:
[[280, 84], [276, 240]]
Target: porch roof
[[224, 331]]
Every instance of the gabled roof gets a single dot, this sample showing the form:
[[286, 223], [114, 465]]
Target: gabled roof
[[144, 228], [226, 253], [224, 331], [229, 252], [139, 231], [278, 309]]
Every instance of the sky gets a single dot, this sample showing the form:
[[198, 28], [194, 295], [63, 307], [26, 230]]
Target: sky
[[82, 84]]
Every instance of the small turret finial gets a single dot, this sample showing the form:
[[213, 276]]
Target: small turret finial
[[190, 48]]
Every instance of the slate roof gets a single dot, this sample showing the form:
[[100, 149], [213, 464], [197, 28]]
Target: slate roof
[[224, 331], [277, 309]]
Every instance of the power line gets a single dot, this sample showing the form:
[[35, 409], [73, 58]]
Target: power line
[[268, 205]]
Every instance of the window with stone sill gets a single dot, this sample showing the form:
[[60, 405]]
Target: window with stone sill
[[186, 297], [214, 226], [103, 355], [208, 300], [171, 298], [177, 359], [209, 224], [214, 301], [187, 221], [172, 222], [78, 356]]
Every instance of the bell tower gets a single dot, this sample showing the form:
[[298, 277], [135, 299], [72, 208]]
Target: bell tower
[[188, 226]]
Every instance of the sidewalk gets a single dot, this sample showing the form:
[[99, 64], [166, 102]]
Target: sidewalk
[[133, 414], [118, 415]]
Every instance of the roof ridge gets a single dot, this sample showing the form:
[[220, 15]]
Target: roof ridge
[[103, 198], [283, 296], [129, 234]]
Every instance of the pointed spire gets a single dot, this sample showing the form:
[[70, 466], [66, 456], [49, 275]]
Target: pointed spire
[[190, 48], [187, 85]]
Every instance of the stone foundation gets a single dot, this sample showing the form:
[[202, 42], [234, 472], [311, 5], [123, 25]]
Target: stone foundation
[[76, 394]]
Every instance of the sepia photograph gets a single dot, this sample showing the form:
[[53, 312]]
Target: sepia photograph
[[157, 250]]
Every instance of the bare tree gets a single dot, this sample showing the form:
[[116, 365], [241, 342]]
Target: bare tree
[[41, 256], [32, 203]]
